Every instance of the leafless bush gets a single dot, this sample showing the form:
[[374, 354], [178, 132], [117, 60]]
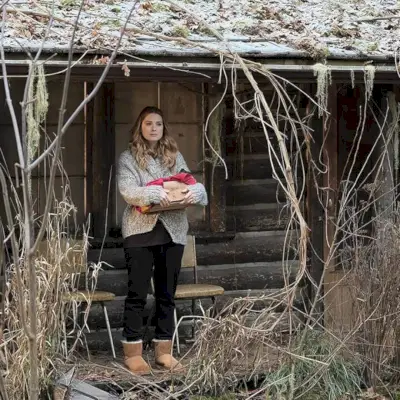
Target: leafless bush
[[242, 343], [373, 275], [55, 263]]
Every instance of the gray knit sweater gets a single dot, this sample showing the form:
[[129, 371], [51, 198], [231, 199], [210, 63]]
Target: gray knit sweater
[[132, 182]]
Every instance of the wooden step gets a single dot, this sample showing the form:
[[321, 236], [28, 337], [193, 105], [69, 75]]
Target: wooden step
[[115, 308], [250, 166], [253, 191], [259, 246], [237, 276], [254, 144], [257, 217]]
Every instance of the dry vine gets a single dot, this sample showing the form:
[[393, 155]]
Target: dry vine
[[254, 334]]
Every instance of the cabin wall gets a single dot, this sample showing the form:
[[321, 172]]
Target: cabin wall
[[182, 108], [73, 146], [244, 255]]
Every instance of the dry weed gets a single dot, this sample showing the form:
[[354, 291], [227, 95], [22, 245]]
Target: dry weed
[[57, 263]]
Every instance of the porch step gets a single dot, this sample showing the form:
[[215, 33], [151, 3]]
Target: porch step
[[250, 191], [96, 320], [250, 246], [255, 143], [236, 276], [257, 217], [250, 166]]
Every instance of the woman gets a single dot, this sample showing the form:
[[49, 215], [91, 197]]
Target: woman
[[152, 239]]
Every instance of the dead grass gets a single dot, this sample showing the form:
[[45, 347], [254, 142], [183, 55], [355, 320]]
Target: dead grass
[[376, 300], [55, 263]]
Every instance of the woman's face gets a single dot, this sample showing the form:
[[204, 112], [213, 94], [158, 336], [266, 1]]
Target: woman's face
[[152, 128]]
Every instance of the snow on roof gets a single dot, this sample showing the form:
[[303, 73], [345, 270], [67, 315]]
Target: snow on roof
[[274, 28]]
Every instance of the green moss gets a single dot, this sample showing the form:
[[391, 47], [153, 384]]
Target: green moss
[[159, 7], [204, 30], [228, 396], [373, 47], [180, 31], [115, 23], [68, 3]]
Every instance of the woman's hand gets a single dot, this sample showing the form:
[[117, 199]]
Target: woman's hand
[[189, 197], [164, 201]]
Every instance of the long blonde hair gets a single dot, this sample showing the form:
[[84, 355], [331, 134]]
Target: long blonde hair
[[166, 148]]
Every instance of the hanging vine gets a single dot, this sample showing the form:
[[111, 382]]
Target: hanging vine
[[369, 77], [324, 79], [36, 109]]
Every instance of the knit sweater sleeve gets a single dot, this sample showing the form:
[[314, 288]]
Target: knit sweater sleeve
[[198, 190], [129, 184]]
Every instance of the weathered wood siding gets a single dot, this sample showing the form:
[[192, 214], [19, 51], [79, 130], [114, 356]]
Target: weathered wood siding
[[73, 144], [182, 107]]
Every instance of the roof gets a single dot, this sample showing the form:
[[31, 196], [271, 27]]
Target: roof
[[350, 29]]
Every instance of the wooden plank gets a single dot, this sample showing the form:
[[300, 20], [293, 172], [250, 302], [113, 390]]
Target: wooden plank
[[257, 218], [219, 123], [181, 103], [315, 212], [188, 137], [103, 158], [131, 98], [83, 391], [243, 276], [115, 308], [17, 87], [73, 149], [337, 310], [255, 247], [256, 193], [88, 161], [75, 97]]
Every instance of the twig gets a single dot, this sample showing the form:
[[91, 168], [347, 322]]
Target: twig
[[14, 242], [106, 216], [372, 19], [8, 96], [15, 250], [89, 98], [3, 391], [61, 114], [39, 14]]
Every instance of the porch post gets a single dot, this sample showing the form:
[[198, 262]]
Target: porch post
[[103, 159], [216, 175], [315, 210], [332, 305]]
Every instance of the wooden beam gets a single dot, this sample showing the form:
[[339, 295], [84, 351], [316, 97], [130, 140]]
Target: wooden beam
[[89, 131], [215, 173], [103, 159], [338, 300], [330, 180], [315, 211]]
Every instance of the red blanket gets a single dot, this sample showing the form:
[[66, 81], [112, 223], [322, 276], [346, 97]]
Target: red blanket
[[183, 177]]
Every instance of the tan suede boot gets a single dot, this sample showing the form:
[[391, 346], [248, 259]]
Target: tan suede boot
[[163, 357], [133, 358]]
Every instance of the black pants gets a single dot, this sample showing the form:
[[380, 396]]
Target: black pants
[[167, 260]]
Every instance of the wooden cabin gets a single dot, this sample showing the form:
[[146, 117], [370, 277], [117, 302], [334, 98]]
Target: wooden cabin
[[241, 233]]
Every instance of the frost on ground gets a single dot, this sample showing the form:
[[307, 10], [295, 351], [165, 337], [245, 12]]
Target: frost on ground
[[299, 24]]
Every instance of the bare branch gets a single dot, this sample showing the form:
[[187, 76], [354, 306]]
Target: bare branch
[[14, 249], [88, 99], [8, 96], [39, 14], [372, 19]]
